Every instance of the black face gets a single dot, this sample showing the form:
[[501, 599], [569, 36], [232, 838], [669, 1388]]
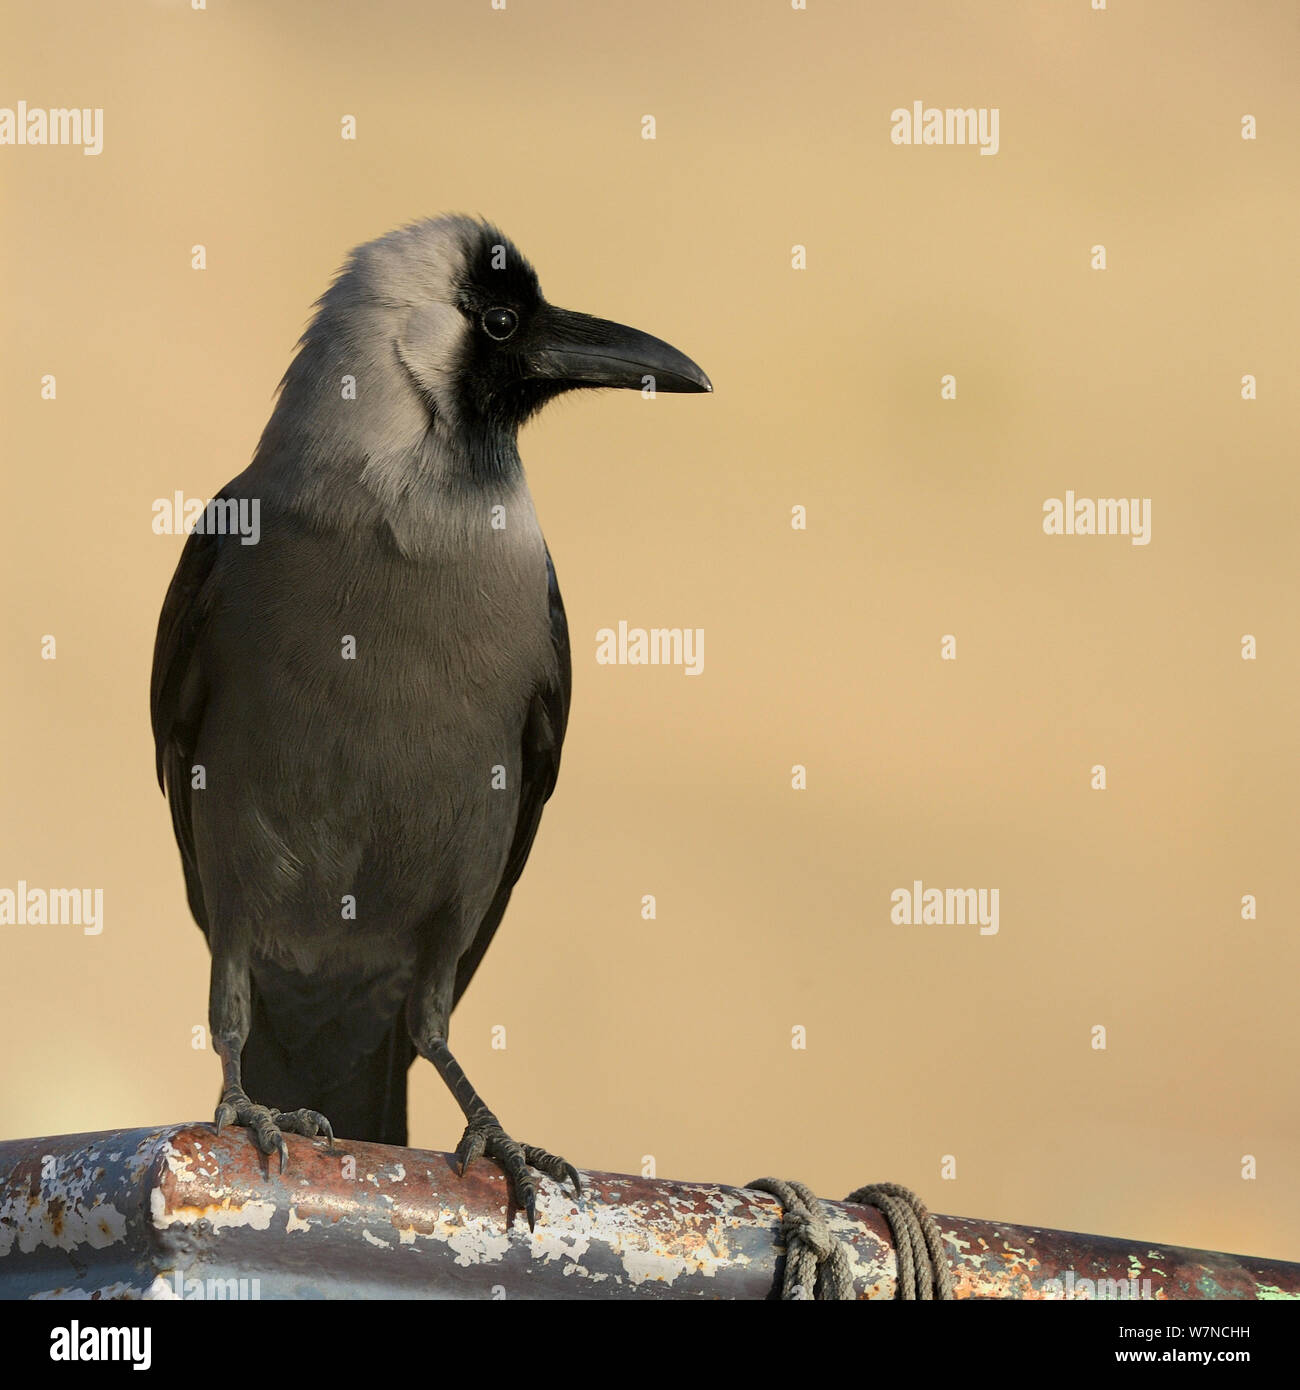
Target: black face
[[521, 351], [500, 299]]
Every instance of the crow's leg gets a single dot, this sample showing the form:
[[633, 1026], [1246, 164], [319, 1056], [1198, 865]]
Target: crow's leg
[[427, 1017], [228, 1021], [484, 1135]]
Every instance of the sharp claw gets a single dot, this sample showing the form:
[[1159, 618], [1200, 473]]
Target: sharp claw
[[530, 1206], [572, 1174], [284, 1154], [472, 1145], [329, 1133], [225, 1116]]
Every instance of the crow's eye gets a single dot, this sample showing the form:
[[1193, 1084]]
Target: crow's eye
[[500, 323]]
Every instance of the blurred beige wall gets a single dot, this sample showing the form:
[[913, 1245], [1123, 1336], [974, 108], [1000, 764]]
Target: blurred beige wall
[[1118, 908]]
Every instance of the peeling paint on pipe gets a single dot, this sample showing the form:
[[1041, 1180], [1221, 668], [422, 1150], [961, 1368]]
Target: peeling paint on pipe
[[182, 1213]]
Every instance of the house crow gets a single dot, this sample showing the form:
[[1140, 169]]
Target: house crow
[[358, 717]]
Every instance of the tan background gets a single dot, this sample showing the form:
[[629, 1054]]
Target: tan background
[[672, 1037]]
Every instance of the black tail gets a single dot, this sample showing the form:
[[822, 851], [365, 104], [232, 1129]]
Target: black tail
[[342, 1048]]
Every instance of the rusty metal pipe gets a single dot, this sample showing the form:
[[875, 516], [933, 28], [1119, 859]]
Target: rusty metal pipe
[[182, 1213]]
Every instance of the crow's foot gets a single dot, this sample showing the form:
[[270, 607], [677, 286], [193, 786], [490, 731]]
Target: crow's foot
[[270, 1126], [484, 1135]]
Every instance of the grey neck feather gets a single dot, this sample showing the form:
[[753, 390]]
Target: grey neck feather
[[352, 415]]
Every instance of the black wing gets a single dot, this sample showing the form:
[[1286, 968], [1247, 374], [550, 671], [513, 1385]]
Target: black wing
[[548, 716], [178, 693]]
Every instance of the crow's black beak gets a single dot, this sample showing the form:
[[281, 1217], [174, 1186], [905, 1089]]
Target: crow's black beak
[[579, 350]]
